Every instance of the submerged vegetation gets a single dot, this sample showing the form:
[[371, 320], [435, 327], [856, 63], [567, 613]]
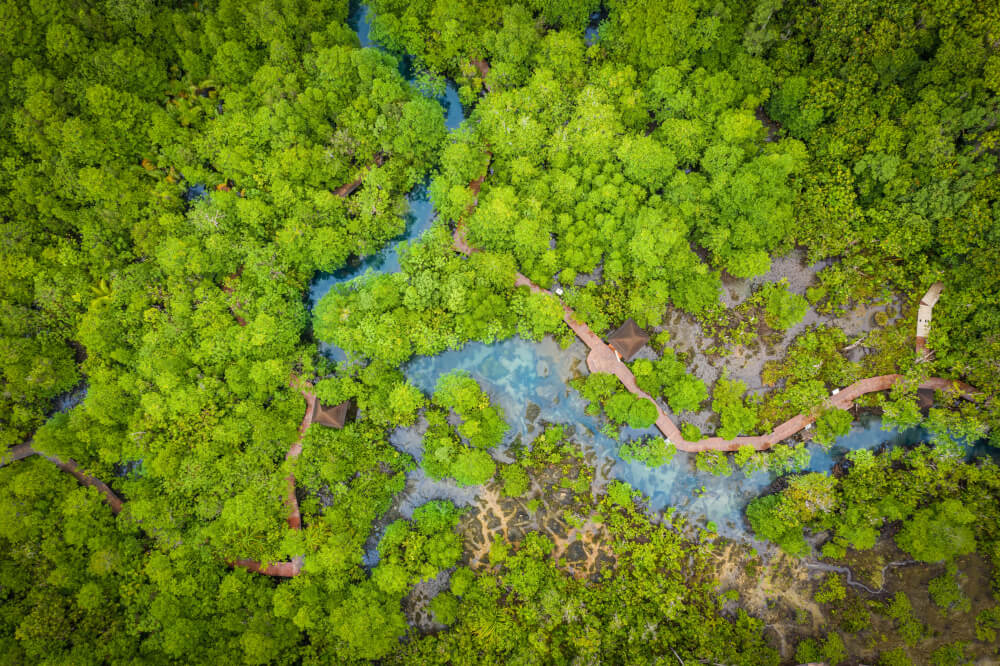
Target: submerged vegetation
[[175, 175]]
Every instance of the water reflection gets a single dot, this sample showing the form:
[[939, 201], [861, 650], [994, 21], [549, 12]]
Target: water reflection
[[360, 21]]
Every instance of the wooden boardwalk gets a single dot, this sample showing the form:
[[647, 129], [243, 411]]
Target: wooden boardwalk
[[602, 358], [294, 519], [25, 450]]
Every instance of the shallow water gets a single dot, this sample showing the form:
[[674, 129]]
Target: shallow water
[[518, 374], [420, 212], [195, 192], [360, 20], [418, 220]]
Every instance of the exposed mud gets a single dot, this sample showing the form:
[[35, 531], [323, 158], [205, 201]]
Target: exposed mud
[[774, 587], [745, 363], [547, 508], [416, 605], [780, 590]]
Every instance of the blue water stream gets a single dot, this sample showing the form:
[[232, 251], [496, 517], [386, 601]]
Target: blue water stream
[[420, 212], [592, 34], [529, 381], [517, 373]]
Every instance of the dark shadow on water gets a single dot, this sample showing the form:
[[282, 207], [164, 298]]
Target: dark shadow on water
[[359, 20], [592, 33], [195, 192]]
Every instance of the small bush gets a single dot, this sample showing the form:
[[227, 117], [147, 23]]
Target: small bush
[[691, 432], [830, 590], [946, 592], [445, 607], [784, 309], [713, 462], [515, 480]]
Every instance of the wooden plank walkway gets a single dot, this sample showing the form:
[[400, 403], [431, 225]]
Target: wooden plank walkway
[[602, 358], [25, 450], [294, 519]]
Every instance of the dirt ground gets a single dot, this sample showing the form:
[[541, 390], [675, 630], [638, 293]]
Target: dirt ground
[[746, 363], [780, 590]]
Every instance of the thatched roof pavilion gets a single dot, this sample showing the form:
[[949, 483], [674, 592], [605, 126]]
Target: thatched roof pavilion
[[628, 339], [331, 417]]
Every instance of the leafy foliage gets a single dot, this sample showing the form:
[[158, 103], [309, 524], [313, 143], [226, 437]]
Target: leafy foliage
[[935, 495], [622, 407], [736, 416], [652, 451], [713, 462], [172, 176], [667, 376], [784, 309], [831, 424]]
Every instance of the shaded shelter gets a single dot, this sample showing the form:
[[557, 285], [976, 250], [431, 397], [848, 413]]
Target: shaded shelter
[[628, 339], [331, 417]]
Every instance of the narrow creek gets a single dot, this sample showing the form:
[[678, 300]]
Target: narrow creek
[[420, 213], [529, 380]]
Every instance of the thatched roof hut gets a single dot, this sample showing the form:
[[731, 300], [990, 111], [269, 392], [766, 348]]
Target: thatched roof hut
[[331, 417], [628, 339]]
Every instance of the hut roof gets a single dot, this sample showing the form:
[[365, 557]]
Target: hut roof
[[331, 417], [925, 399], [628, 339]]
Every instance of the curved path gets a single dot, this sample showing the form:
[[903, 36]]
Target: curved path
[[294, 567], [294, 519], [602, 358], [70, 466], [282, 569]]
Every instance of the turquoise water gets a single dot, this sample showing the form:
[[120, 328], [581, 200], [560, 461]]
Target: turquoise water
[[420, 212], [517, 373], [418, 220], [360, 20]]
